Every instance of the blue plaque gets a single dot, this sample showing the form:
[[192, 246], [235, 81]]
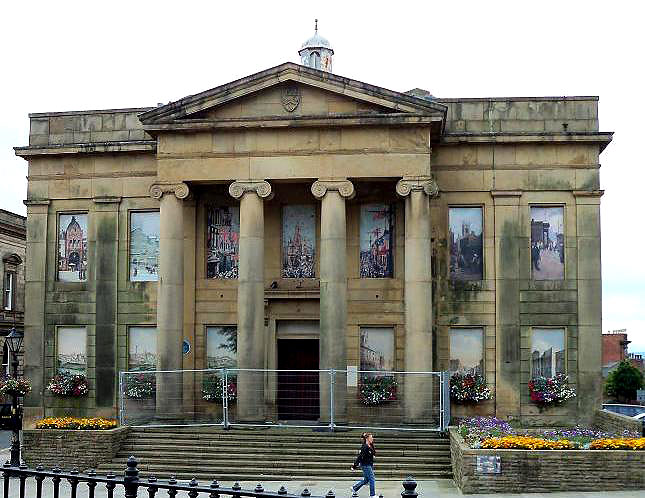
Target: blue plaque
[[185, 347]]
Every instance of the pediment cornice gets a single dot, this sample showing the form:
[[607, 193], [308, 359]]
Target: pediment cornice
[[187, 109]]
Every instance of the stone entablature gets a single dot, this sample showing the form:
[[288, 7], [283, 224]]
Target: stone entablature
[[346, 144]]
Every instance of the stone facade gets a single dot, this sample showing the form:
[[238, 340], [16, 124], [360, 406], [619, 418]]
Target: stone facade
[[13, 235], [71, 449], [345, 144], [546, 471]]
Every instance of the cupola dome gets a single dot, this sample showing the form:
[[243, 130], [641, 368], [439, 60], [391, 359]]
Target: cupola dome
[[316, 52]]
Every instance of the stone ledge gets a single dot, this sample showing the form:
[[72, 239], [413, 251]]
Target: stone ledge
[[615, 422], [80, 449], [525, 471], [85, 148]]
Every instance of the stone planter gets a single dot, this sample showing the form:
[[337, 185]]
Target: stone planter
[[71, 448], [526, 471]]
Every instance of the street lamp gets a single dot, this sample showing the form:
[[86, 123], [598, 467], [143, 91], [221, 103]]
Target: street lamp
[[14, 344]]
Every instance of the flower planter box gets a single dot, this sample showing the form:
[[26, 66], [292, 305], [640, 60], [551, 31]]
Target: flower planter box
[[80, 449], [528, 471]]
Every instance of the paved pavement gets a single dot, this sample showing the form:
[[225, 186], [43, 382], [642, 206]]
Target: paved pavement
[[5, 440], [388, 488]]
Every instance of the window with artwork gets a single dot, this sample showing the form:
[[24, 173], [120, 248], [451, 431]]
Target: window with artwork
[[547, 242], [142, 348], [548, 354], [299, 241], [144, 246], [222, 241], [377, 241], [221, 346], [466, 243], [72, 247], [377, 349], [71, 350], [467, 350]]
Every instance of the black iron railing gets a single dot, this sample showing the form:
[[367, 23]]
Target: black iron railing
[[17, 477]]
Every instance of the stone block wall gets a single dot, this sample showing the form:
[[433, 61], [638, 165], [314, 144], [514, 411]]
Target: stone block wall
[[521, 115], [547, 470], [112, 125], [70, 449], [615, 422]]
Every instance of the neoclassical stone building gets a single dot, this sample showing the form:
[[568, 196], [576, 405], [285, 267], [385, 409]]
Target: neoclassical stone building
[[321, 222]]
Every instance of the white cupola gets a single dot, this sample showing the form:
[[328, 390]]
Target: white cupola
[[316, 52]]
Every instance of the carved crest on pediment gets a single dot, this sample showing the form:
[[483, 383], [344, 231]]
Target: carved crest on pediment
[[290, 97]]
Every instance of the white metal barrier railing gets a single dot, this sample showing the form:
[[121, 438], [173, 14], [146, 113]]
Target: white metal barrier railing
[[229, 397]]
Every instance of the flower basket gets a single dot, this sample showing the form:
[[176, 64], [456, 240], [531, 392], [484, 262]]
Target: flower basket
[[213, 388], [69, 385], [140, 386], [14, 387], [375, 391], [548, 391], [468, 388]]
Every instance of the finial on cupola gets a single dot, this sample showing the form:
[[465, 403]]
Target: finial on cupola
[[316, 52]]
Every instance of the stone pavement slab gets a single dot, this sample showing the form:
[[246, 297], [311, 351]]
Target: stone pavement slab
[[389, 488]]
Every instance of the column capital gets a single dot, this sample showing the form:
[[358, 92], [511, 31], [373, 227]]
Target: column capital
[[261, 187], [343, 186], [409, 183], [157, 190]]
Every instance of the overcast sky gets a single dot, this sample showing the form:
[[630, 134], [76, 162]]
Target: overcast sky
[[68, 55]]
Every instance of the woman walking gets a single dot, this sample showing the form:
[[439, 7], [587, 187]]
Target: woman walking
[[365, 460]]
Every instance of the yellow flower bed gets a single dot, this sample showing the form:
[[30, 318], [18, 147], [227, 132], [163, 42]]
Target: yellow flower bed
[[525, 443], [618, 444], [96, 423]]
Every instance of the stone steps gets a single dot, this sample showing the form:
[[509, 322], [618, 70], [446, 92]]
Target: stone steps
[[208, 453]]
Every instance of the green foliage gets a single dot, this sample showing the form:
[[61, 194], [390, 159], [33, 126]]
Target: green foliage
[[623, 382]]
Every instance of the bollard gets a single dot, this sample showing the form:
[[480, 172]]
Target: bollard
[[131, 479], [409, 486]]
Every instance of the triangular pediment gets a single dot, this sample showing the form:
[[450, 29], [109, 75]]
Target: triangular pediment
[[290, 90]]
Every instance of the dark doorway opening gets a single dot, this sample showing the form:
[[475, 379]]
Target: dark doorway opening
[[298, 391]]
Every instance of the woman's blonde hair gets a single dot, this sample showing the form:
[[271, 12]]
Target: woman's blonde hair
[[365, 435]]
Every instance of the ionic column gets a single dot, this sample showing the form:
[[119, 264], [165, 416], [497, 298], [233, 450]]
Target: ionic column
[[417, 388], [170, 296], [250, 297], [333, 292]]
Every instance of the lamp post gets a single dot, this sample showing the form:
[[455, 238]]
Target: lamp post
[[14, 344]]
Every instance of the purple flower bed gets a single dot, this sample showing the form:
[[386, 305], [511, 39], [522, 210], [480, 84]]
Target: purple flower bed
[[474, 430]]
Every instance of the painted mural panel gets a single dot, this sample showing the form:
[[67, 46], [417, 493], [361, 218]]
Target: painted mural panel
[[466, 243], [548, 355], [222, 242], [71, 349], [221, 346], [377, 349], [547, 243], [144, 246], [72, 247], [142, 348], [377, 241], [299, 241], [467, 350]]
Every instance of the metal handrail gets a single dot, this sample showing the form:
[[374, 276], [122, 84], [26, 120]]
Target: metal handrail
[[131, 483]]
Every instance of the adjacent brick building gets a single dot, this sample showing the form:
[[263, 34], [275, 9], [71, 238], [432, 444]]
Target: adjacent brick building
[[13, 235]]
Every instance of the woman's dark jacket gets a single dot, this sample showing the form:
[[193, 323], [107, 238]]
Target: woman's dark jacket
[[366, 456]]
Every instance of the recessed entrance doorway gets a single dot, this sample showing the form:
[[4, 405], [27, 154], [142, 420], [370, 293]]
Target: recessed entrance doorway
[[298, 380]]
